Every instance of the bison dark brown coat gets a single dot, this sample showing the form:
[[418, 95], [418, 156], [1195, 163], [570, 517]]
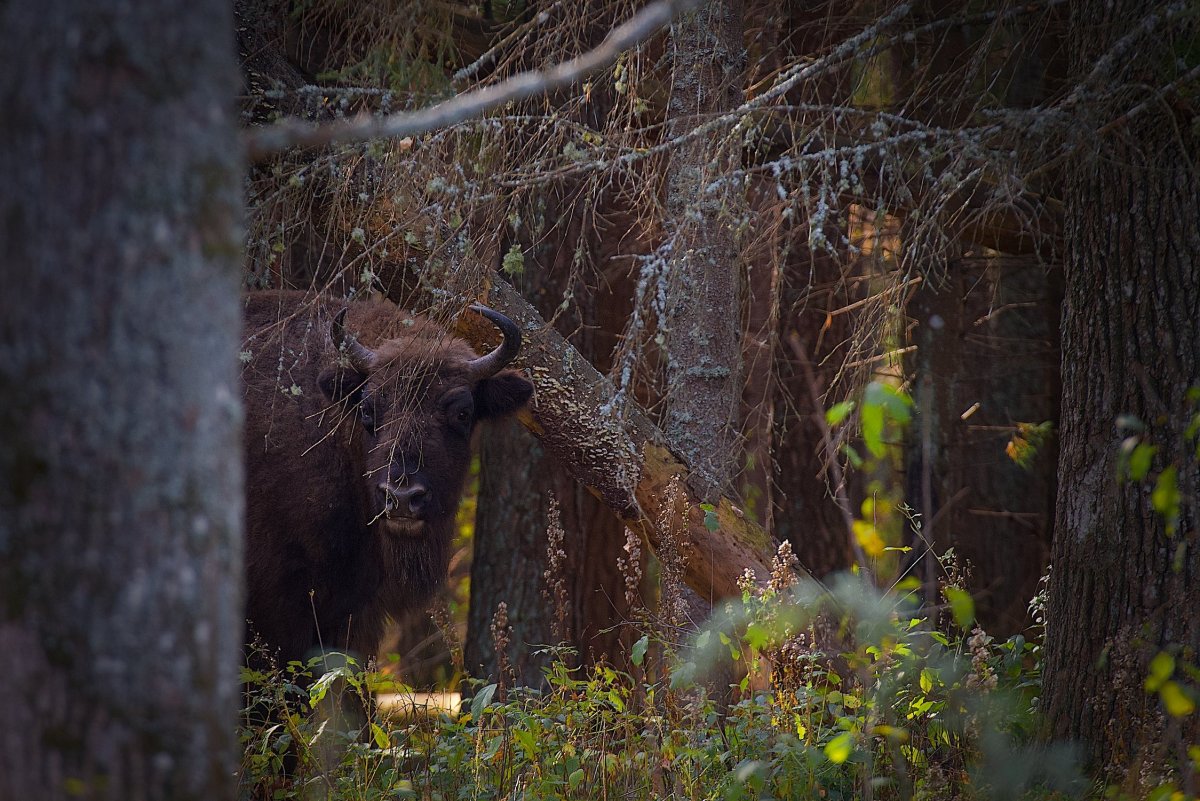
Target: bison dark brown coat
[[356, 456]]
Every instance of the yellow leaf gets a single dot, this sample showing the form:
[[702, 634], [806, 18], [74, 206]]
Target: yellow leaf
[[1178, 704], [1162, 666], [872, 544], [838, 749]]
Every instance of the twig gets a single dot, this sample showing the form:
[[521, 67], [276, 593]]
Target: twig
[[879, 357], [890, 290], [1007, 306], [1108, 63], [262, 143], [1188, 77], [489, 57]]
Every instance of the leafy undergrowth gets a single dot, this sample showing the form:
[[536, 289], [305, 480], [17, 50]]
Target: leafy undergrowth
[[845, 693]]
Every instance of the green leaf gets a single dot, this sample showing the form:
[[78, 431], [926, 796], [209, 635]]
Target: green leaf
[[838, 749], [757, 636], [1139, 461], [575, 778], [1165, 497], [872, 429], [481, 700], [514, 261], [927, 677], [1177, 702], [1164, 792], [528, 743], [839, 412], [379, 736], [1130, 422], [1192, 432], [683, 675], [856, 461], [962, 606], [321, 686], [639, 649], [895, 403], [1162, 667]]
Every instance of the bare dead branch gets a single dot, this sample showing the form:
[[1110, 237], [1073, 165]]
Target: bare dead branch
[[262, 143]]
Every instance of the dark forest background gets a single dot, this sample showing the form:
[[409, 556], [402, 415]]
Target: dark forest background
[[911, 287]]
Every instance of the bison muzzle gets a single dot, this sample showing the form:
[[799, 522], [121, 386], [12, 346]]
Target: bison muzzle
[[358, 441]]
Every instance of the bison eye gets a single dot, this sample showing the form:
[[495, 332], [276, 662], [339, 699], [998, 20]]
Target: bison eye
[[366, 410], [460, 412]]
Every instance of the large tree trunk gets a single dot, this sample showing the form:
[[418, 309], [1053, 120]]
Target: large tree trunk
[[120, 473], [1125, 584]]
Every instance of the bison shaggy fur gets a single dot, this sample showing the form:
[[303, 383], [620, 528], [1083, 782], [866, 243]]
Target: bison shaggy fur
[[357, 445]]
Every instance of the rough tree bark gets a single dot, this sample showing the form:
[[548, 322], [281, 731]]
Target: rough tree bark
[[1124, 585], [703, 318], [120, 473]]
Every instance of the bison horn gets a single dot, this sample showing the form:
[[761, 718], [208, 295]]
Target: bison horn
[[487, 366], [361, 358]]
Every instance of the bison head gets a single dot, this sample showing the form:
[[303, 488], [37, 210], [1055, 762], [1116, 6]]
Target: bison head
[[411, 404]]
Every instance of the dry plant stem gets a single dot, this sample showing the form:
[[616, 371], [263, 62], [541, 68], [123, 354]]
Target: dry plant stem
[[501, 634], [262, 143], [831, 457], [617, 453], [927, 514], [555, 589]]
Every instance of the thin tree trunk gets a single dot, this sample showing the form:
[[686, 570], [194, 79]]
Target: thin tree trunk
[[1125, 585], [703, 318], [120, 473]]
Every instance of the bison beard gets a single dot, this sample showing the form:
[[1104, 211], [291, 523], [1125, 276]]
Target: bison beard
[[357, 446]]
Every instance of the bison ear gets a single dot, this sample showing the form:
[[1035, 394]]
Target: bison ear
[[341, 384], [501, 394]]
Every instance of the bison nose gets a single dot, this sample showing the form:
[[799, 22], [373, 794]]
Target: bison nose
[[411, 500]]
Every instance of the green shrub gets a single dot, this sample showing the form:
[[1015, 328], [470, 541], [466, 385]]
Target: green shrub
[[845, 693]]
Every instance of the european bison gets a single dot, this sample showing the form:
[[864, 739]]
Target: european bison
[[358, 430]]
